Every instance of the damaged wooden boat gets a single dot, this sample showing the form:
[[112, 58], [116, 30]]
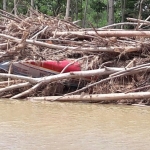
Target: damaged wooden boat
[[38, 69]]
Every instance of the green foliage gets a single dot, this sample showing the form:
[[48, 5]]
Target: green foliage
[[133, 8], [96, 9], [145, 9], [1, 4], [51, 7], [97, 13], [98, 6]]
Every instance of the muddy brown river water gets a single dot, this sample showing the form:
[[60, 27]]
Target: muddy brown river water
[[26, 125]]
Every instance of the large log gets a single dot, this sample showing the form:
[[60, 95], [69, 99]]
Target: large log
[[139, 20], [85, 49], [77, 74], [36, 81], [94, 97], [104, 33]]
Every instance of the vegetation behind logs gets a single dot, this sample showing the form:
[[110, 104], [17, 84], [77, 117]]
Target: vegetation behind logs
[[112, 60], [85, 11]]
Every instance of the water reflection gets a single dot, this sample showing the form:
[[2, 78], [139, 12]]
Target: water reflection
[[71, 126]]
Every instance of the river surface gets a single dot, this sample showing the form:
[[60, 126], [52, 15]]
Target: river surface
[[26, 125]]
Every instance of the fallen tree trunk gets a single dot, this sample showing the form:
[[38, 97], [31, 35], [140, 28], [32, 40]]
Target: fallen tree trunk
[[110, 26], [16, 86], [104, 33], [77, 74], [57, 77], [139, 20], [12, 76], [95, 97], [85, 49]]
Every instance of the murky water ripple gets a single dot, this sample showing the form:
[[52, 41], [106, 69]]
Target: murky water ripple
[[71, 126]]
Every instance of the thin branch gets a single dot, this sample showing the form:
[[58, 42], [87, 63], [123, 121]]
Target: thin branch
[[137, 89], [27, 91], [16, 86], [12, 76], [42, 31], [112, 76]]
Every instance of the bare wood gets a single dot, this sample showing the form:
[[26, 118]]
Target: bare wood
[[39, 81], [137, 89], [139, 20], [95, 97], [145, 20], [140, 11], [9, 72], [12, 76], [77, 74], [42, 31], [117, 24], [85, 49], [110, 11], [32, 89], [131, 63], [11, 82], [119, 74], [80, 74], [67, 9], [12, 17], [138, 68], [113, 76], [123, 33], [2, 53], [96, 72], [4, 5], [76, 60], [16, 86], [10, 14], [15, 7], [32, 6]]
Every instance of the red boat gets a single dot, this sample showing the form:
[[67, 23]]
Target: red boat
[[57, 66], [40, 68]]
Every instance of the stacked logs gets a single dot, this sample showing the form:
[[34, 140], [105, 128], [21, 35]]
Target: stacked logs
[[116, 61]]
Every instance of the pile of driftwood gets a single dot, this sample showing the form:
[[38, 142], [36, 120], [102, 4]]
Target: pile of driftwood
[[115, 61]]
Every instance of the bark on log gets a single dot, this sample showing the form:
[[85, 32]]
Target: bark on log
[[94, 97], [104, 33], [27, 91]]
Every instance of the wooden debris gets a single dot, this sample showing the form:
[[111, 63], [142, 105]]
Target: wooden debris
[[113, 97], [104, 33], [113, 61]]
